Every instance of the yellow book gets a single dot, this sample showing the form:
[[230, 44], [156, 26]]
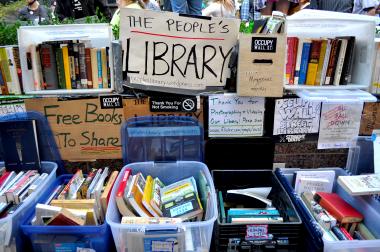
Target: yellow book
[[148, 195], [320, 62], [4, 61], [94, 68], [104, 67], [311, 73], [66, 66]]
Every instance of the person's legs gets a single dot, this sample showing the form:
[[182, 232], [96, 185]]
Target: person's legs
[[283, 6], [167, 5], [267, 11], [179, 6], [195, 7]]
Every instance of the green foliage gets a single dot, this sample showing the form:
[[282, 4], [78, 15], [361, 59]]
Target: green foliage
[[8, 33], [10, 8], [116, 31]]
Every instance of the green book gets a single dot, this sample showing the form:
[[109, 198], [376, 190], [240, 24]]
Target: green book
[[221, 206], [60, 69]]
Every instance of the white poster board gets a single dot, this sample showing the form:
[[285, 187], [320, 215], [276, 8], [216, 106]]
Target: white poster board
[[339, 125], [163, 49], [236, 116], [296, 116]]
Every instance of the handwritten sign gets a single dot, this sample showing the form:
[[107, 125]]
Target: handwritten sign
[[83, 131], [231, 115], [141, 107], [12, 106], [339, 125], [164, 49], [261, 65], [370, 118], [296, 116]]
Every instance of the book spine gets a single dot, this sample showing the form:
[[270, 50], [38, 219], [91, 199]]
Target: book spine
[[35, 66], [104, 67], [298, 61], [326, 62], [320, 63], [345, 233], [70, 47], [48, 63], [66, 66], [108, 66], [123, 183], [82, 65], [76, 65], [304, 62], [332, 62], [60, 68], [340, 62], [14, 88], [348, 62], [312, 69], [100, 73], [36, 183], [88, 67], [290, 47], [294, 60], [5, 65], [339, 234], [94, 68], [3, 83], [16, 56]]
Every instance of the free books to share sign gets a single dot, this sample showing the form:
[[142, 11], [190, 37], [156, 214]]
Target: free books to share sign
[[167, 50]]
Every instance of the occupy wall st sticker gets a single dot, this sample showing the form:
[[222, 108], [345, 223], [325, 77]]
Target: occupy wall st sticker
[[263, 44], [173, 104], [111, 101]]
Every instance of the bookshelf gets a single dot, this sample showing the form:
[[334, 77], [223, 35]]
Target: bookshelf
[[96, 35], [316, 24]]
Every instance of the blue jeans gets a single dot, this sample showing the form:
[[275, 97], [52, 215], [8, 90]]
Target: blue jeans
[[192, 7]]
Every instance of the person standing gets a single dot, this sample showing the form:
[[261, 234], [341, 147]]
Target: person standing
[[366, 7], [250, 9], [335, 5], [220, 8], [278, 5], [134, 4], [191, 7], [34, 12], [79, 8]]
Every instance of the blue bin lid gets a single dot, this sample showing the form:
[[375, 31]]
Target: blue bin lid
[[162, 138], [46, 142]]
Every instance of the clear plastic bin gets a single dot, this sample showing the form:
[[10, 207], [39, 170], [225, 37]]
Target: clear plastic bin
[[11, 237], [198, 234], [66, 238], [366, 205]]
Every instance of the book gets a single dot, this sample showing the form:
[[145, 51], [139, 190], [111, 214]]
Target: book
[[4, 178], [312, 67], [100, 68], [82, 65], [181, 200], [257, 220], [136, 194], [340, 62], [3, 82], [326, 62], [21, 191], [54, 194], [298, 60], [49, 66], [360, 184], [66, 65], [72, 68], [337, 207], [65, 218], [76, 65], [93, 183], [149, 220], [16, 186], [13, 181], [345, 233], [335, 48], [292, 58], [96, 194], [108, 67], [155, 202], [33, 187], [148, 195], [94, 68], [223, 217], [60, 68], [251, 213], [321, 61], [88, 62], [313, 185], [82, 192], [4, 62], [121, 191], [79, 204], [71, 188], [35, 62], [15, 87], [104, 67], [348, 62], [304, 61], [19, 145], [104, 198], [317, 177], [365, 233], [338, 233]]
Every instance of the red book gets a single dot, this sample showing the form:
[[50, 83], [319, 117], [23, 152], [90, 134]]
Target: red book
[[344, 231], [291, 60], [4, 177], [123, 183], [337, 207], [88, 67]]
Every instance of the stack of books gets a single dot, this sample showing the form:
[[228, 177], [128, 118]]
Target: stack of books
[[16, 187], [81, 201], [320, 62], [148, 197], [10, 71], [72, 64]]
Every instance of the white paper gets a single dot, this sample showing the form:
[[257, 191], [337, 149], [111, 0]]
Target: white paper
[[12, 108], [236, 116], [340, 124], [296, 116], [164, 49]]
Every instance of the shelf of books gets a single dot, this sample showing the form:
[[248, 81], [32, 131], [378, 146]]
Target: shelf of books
[[329, 50], [66, 59]]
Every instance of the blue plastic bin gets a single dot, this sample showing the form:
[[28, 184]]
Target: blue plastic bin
[[66, 238], [11, 237]]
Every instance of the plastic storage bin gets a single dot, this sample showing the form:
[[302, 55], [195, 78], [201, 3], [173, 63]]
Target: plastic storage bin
[[11, 238], [162, 139], [66, 238], [244, 163], [367, 205]]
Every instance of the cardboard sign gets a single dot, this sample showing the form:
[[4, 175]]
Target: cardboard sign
[[370, 118], [234, 116], [339, 125], [141, 107], [163, 49], [83, 131], [261, 65], [296, 116]]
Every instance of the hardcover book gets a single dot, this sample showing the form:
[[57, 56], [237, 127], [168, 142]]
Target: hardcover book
[[19, 145], [360, 184]]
